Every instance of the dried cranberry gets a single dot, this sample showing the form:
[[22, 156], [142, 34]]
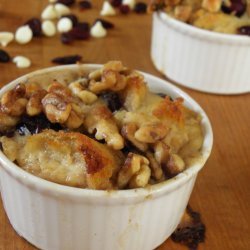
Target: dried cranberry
[[35, 124], [83, 26], [105, 24], [191, 231], [67, 59], [124, 9], [73, 18], [112, 100], [84, 5], [66, 2], [236, 7], [10, 133], [67, 38], [140, 8], [35, 26], [4, 56], [244, 30], [116, 3], [80, 32]]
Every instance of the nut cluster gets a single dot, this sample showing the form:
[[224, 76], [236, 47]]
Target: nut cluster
[[151, 131]]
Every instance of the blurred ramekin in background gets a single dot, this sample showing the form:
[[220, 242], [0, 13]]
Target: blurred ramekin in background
[[200, 59], [57, 217]]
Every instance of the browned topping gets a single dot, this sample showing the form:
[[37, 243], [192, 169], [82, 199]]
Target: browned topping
[[143, 138], [93, 160], [191, 230], [172, 109]]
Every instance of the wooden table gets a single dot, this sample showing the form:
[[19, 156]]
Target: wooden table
[[222, 191]]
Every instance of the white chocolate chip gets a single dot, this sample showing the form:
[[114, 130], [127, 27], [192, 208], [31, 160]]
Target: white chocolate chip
[[21, 61], [107, 9], [23, 34], [49, 12], [62, 10], [48, 28], [98, 30], [130, 3], [64, 25], [6, 38]]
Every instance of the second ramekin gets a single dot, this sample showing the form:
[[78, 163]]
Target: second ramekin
[[57, 217], [200, 59]]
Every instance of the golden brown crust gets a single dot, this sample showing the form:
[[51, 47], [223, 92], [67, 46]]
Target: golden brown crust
[[67, 158], [208, 14]]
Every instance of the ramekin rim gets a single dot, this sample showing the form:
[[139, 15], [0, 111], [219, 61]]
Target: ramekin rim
[[163, 187], [202, 33]]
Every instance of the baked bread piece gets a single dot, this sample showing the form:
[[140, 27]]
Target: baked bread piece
[[71, 158], [134, 137]]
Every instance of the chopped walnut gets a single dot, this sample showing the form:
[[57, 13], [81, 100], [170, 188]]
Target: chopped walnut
[[78, 90], [55, 108], [73, 121], [151, 132], [95, 75], [141, 178], [128, 131], [175, 165], [110, 80], [31, 88], [61, 91], [156, 169], [34, 105], [135, 165], [100, 121], [161, 152], [109, 77], [13, 102], [114, 65]]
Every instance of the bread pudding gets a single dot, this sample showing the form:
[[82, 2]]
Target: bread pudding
[[224, 16], [101, 130]]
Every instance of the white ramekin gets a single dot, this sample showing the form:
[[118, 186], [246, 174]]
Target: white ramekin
[[57, 217], [200, 59]]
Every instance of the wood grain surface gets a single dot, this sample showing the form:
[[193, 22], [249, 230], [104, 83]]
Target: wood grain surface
[[222, 190]]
